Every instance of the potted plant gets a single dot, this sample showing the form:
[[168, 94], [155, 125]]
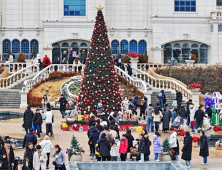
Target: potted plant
[[195, 141], [218, 144], [134, 56], [195, 87], [217, 130], [74, 152], [166, 152]]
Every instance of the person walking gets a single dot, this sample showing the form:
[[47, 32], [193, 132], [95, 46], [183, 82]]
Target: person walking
[[179, 97], [143, 107], [46, 61], [187, 149], [157, 116], [44, 103], [204, 148], [141, 147], [49, 119], [108, 135], [199, 115], [135, 103], [39, 159], [161, 95], [27, 119], [46, 146], [130, 139], [166, 118], [156, 145], [123, 147], [147, 145], [183, 113], [174, 114], [149, 120], [93, 137], [7, 156], [29, 138], [188, 111], [28, 155], [37, 122], [113, 132], [104, 148], [63, 103], [174, 144], [114, 152], [59, 158], [129, 70], [92, 120], [209, 111]]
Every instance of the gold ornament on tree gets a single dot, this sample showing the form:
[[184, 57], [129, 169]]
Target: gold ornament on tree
[[99, 8]]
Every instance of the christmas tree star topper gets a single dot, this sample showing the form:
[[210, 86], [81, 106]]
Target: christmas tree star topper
[[99, 8]]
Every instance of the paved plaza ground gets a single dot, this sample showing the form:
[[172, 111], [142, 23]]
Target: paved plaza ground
[[63, 138]]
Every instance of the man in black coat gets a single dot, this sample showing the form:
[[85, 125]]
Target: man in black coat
[[28, 155], [29, 138], [179, 97], [62, 102], [129, 69], [187, 149], [209, 111], [199, 115], [188, 111], [37, 122], [27, 119], [204, 148], [183, 112], [7, 156]]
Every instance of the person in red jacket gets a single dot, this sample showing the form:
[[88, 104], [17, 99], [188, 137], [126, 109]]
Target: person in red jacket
[[123, 147], [46, 61]]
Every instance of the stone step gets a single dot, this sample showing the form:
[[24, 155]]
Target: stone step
[[9, 107]]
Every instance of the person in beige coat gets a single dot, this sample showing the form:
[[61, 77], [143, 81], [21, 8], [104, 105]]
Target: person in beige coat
[[157, 116], [39, 159]]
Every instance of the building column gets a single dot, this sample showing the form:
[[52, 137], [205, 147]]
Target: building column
[[24, 101], [196, 98], [157, 55], [48, 51]]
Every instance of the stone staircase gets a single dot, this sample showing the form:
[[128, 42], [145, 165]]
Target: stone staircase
[[10, 99], [169, 96], [18, 86]]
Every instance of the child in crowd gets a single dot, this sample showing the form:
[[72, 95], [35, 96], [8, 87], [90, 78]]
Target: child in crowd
[[103, 122], [117, 141], [142, 146], [157, 145], [97, 152], [174, 103], [123, 147], [174, 115], [134, 154], [114, 152]]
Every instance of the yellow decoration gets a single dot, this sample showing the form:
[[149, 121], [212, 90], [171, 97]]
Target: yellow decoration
[[139, 129], [80, 118], [99, 8], [64, 125], [62, 121]]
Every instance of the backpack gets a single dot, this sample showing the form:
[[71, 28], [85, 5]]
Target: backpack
[[160, 94], [46, 61], [182, 113]]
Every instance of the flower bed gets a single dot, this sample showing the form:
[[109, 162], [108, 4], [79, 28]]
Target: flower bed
[[217, 130]]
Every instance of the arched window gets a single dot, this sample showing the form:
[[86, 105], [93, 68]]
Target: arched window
[[15, 46], [177, 52], [74, 45], [185, 51], [124, 47], [133, 46], [65, 44], [115, 46], [195, 50], [203, 53], [83, 45], [36, 44], [56, 45], [5, 45], [25, 46], [167, 52], [56, 53], [142, 46]]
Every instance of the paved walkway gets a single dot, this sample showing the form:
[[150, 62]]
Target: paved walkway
[[14, 128]]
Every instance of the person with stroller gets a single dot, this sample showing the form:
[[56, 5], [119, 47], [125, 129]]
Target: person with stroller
[[178, 121]]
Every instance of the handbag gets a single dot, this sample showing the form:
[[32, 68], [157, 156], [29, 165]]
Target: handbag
[[63, 167], [54, 163]]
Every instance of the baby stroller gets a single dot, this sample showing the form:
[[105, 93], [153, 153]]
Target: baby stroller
[[178, 121]]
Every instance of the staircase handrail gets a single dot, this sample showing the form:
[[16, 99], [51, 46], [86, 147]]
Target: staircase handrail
[[7, 64], [172, 84], [12, 78], [47, 71], [141, 85]]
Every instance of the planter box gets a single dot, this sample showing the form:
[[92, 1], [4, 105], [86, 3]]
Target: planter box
[[195, 144], [164, 157], [218, 147], [124, 127], [76, 158], [195, 90], [218, 133], [64, 129]]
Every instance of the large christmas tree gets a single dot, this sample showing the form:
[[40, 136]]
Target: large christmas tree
[[100, 79]]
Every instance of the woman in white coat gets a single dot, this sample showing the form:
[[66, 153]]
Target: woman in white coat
[[46, 145], [174, 144], [39, 159], [77, 64]]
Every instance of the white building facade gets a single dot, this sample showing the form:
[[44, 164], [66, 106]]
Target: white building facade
[[162, 28]]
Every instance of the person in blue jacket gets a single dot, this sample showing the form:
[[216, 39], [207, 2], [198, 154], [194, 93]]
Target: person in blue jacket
[[135, 103], [161, 96]]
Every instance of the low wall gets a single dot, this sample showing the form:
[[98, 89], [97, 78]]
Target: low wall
[[5, 73], [152, 73]]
